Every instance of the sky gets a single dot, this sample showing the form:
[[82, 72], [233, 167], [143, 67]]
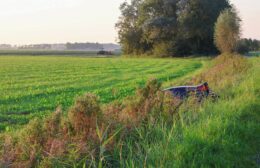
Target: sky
[[60, 21]]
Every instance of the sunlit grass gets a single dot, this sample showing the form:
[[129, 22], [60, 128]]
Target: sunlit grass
[[143, 131], [34, 86], [225, 133]]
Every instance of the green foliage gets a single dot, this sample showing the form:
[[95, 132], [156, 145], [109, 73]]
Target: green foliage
[[162, 49], [169, 27], [246, 45], [196, 24], [35, 86], [253, 44], [128, 31], [242, 47], [227, 31]]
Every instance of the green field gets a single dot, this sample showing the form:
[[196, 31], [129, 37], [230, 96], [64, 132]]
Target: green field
[[212, 133], [35, 86]]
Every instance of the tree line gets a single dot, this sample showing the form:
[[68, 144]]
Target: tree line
[[169, 27], [88, 46], [245, 45], [84, 46]]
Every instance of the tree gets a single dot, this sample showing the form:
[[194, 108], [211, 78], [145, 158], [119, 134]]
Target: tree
[[245, 45], [196, 20], [242, 46], [169, 27], [158, 19], [129, 32], [227, 31]]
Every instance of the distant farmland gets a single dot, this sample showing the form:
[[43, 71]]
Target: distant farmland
[[33, 86], [49, 52]]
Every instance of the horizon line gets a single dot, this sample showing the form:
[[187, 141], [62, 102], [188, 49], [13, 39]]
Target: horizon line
[[12, 44]]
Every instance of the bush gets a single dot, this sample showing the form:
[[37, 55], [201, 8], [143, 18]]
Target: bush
[[25, 149], [84, 115], [88, 132], [162, 49], [52, 123], [137, 108], [227, 31]]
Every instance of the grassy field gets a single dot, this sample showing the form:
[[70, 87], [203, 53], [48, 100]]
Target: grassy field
[[34, 86], [150, 128], [225, 133]]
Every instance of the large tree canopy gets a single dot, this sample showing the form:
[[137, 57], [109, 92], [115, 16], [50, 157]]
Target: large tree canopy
[[169, 27]]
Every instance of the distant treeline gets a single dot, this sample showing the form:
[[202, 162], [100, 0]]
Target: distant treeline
[[84, 46], [55, 53], [45, 52], [63, 46], [169, 27], [245, 45]]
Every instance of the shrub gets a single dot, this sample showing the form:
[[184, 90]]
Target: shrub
[[52, 123], [84, 115], [33, 132], [136, 108], [88, 132], [162, 49], [113, 110], [227, 31], [27, 150]]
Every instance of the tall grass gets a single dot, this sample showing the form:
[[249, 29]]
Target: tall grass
[[214, 134], [150, 129]]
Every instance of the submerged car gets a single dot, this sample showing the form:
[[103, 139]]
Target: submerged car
[[201, 91]]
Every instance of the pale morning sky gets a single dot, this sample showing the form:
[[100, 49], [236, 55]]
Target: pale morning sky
[[54, 21]]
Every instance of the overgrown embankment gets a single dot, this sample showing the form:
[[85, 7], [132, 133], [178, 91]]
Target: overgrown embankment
[[225, 133], [151, 129]]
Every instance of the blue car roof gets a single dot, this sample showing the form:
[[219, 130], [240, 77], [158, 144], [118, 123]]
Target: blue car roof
[[179, 87]]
